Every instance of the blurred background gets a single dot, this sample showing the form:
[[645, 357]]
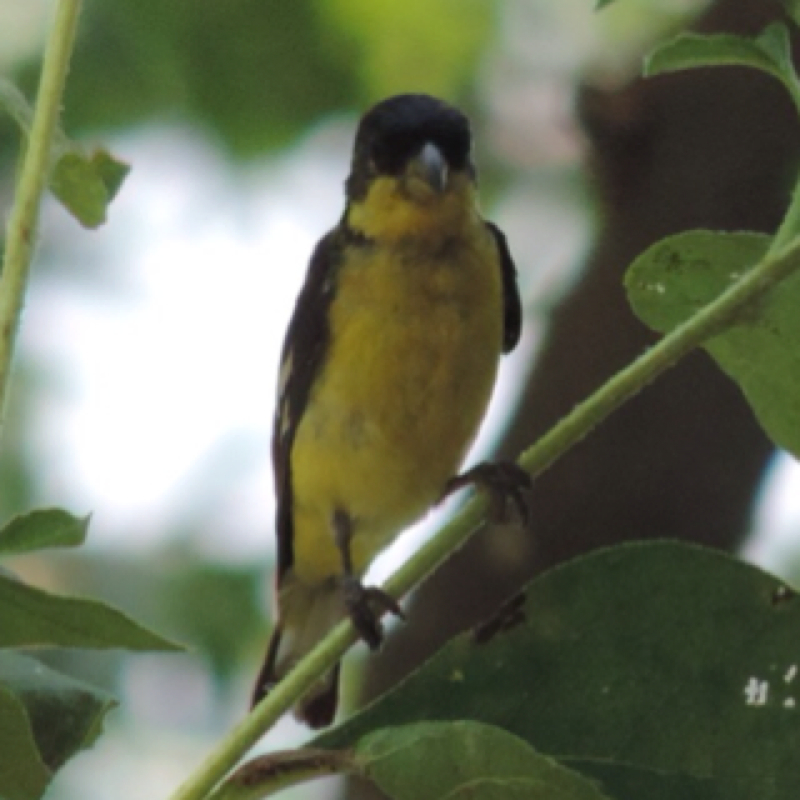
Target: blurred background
[[148, 352]]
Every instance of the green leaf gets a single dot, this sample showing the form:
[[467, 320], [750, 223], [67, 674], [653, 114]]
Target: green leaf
[[464, 760], [679, 275], [23, 775], [663, 656], [66, 714], [601, 4], [85, 185], [30, 616], [792, 8], [512, 789], [769, 52], [111, 171], [625, 782], [42, 528]]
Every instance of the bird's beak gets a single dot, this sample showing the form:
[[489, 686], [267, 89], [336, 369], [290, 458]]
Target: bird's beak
[[430, 166]]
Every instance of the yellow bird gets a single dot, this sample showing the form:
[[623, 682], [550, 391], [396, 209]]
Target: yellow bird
[[387, 369]]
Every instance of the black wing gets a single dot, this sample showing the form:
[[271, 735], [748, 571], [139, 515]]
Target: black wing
[[303, 354], [512, 306]]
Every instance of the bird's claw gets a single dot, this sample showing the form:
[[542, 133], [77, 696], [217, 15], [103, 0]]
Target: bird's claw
[[366, 606], [506, 483]]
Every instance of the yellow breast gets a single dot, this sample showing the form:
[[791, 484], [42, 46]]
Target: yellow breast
[[416, 335]]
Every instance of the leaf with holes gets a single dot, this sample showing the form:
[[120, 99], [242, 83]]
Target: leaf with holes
[[679, 275]]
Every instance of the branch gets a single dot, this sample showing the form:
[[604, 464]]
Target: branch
[[22, 224]]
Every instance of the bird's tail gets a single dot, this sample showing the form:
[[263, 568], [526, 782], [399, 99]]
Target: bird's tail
[[306, 615]]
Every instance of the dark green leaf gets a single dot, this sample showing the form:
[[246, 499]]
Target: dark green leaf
[[46, 527], [511, 789], [85, 185], [792, 8], [769, 52], [601, 4], [660, 655], [679, 275], [463, 759], [23, 775], [66, 714], [30, 616], [625, 782]]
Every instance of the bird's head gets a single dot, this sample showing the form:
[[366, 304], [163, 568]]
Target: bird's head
[[411, 168]]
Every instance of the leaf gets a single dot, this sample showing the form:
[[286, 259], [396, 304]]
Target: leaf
[[23, 775], [601, 4], [792, 8], [42, 528], [663, 656], [769, 52], [625, 782], [464, 760], [679, 275], [86, 185], [66, 714], [111, 171], [30, 616], [512, 789]]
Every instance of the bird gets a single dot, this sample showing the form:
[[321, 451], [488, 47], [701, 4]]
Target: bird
[[387, 368]]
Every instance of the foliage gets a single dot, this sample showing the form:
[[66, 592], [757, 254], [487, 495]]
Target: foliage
[[641, 667], [47, 717], [648, 670]]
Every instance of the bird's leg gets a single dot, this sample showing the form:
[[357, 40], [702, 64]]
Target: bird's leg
[[365, 605], [505, 482]]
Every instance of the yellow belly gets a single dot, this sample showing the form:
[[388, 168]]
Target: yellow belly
[[414, 350]]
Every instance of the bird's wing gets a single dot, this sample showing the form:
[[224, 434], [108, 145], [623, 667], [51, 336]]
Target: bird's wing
[[512, 306], [303, 354]]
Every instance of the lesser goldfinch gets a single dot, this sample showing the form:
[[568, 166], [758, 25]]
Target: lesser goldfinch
[[387, 369]]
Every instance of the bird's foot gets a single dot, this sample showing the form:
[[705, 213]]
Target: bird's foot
[[504, 481], [366, 606]]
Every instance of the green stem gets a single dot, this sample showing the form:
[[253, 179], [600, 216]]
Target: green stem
[[574, 427], [22, 224], [789, 229]]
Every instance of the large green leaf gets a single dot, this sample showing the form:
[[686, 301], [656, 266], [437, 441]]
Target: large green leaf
[[666, 657], [679, 275], [30, 616], [464, 759], [48, 527], [65, 714], [23, 774]]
